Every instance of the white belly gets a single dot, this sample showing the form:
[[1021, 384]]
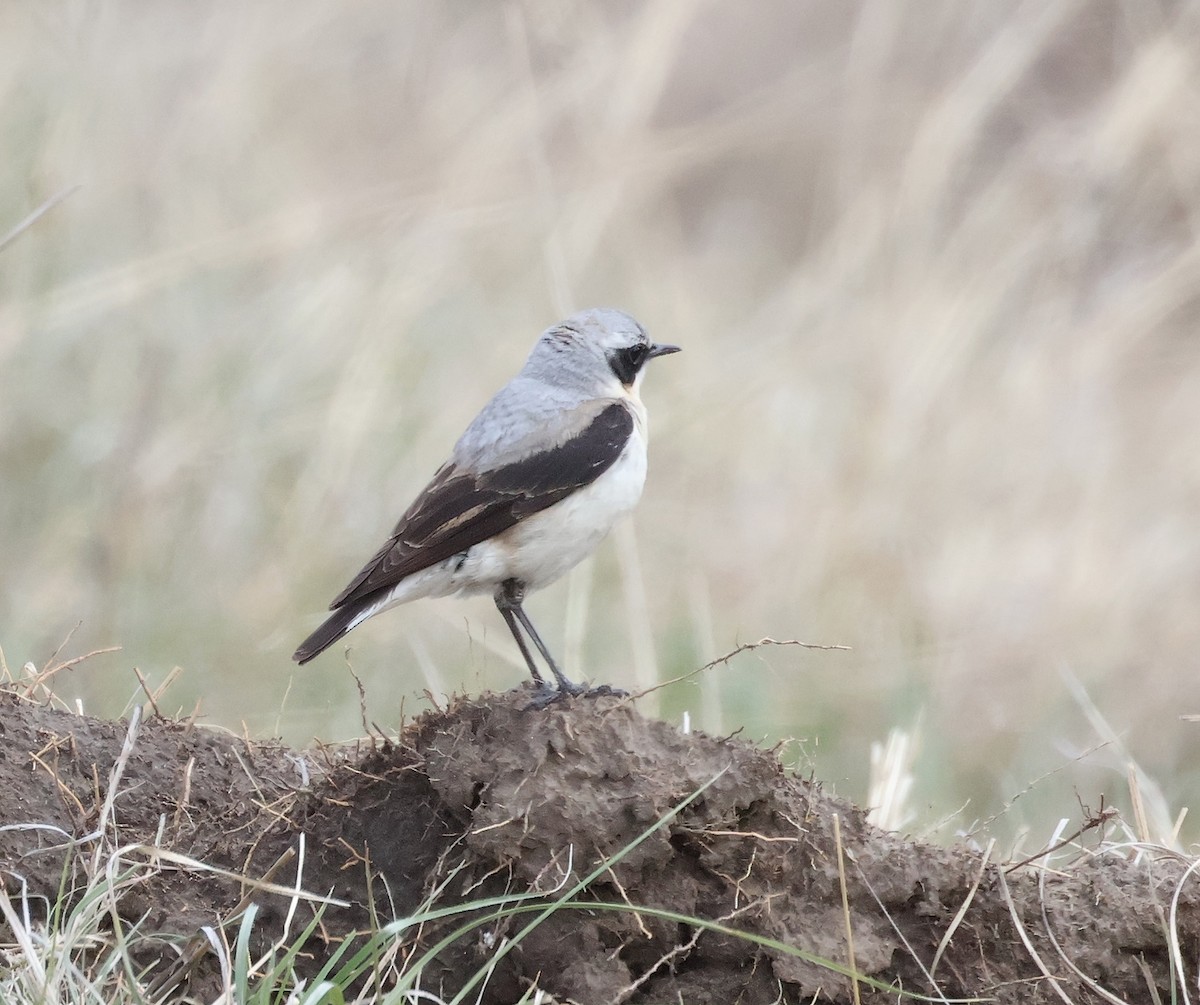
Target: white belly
[[549, 544]]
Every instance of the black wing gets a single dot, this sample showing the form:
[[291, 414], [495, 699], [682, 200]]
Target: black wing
[[459, 509]]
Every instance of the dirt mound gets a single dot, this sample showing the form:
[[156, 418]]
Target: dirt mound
[[499, 800]]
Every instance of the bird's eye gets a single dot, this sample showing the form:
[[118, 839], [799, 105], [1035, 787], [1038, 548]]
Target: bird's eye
[[627, 362], [635, 356]]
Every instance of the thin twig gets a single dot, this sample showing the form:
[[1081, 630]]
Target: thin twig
[[986, 825], [769, 839], [1102, 817], [625, 993], [625, 897], [200, 944], [146, 690], [51, 668], [362, 700], [114, 780], [64, 790], [1148, 977], [721, 660], [750, 646], [841, 862], [63, 644], [1173, 931], [962, 910], [1019, 925], [185, 795], [900, 934], [36, 215], [1137, 803]]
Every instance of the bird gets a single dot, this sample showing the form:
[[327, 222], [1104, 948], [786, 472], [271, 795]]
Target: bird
[[532, 486]]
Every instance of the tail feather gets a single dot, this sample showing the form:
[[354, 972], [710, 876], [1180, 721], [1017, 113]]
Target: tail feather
[[331, 629]]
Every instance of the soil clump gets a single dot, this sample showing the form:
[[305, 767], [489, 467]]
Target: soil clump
[[487, 799]]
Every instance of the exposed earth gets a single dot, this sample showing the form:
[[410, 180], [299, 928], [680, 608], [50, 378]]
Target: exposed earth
[[490, 799]]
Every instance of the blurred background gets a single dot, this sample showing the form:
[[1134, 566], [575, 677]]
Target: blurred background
[[936, 272]]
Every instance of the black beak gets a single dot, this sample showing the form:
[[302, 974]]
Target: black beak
[[662, 350]]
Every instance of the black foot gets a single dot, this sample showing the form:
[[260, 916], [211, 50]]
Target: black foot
[[544, 695], [606, 689], [570, 687]]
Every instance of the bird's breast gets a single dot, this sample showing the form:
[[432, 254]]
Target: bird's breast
[[550, 543]]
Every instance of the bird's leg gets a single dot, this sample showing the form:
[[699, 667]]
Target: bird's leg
[[564, 685], [511, 620], [509, 597]]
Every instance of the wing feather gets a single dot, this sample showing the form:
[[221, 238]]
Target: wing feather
[[459, 509]]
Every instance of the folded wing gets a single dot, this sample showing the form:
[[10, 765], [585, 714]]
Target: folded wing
[[459, 509]]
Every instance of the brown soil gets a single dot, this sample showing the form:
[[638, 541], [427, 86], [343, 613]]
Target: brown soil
[[520, 801]]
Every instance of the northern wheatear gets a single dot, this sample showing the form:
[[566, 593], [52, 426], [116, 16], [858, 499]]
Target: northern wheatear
[[533, 485]]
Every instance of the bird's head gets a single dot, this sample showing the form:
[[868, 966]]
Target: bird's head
[[598, 350]]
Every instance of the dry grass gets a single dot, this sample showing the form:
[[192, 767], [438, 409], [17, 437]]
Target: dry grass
[[935, 268]]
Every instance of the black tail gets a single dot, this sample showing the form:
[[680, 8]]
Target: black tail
[[332, 629]]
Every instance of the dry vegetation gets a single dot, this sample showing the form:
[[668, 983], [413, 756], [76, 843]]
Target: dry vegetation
[[935, 268], [497, 856]]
